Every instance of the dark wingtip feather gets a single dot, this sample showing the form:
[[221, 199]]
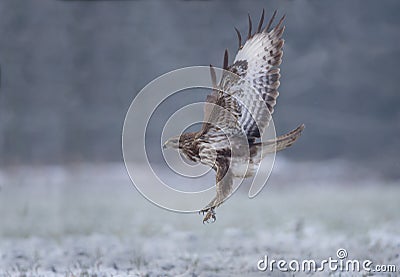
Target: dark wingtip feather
[[261, 21], [226, 59], [250, 26], [270, 21], [280, 22], [239, 37]]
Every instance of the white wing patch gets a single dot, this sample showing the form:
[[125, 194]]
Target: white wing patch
[[263, 54], [250, 93]]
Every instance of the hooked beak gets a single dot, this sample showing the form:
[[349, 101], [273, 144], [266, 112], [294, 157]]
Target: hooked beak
[[171, 143]]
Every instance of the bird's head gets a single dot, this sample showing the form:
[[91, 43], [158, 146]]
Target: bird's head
[[184, 141], [172, 143]]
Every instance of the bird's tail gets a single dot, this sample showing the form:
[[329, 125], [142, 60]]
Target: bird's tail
[[281, 142]]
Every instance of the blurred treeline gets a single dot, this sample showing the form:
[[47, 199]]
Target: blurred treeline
[[70, 69]]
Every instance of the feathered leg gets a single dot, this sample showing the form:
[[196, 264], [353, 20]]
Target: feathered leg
[[224, 188]]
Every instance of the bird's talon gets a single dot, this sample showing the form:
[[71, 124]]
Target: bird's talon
[[210, 214], [202, 211]]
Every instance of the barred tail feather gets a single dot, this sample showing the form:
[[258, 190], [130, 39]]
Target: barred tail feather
[[281, 142]]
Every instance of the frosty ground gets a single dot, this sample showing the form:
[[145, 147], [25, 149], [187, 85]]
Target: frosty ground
[[88, 220]]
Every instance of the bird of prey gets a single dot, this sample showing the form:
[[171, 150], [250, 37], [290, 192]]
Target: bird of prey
[[237, 111]]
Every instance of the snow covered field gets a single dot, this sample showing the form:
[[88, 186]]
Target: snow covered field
[[90, 221]]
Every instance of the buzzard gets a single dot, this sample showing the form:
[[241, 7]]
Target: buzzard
[[237, 111]]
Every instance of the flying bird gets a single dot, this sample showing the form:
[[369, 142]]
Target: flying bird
[[237, 112]]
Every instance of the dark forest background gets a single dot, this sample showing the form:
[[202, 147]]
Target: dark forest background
[[70, 69]]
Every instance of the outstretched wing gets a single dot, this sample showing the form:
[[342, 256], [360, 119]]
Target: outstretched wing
[[221, 111], [262, 53], [250, 93]]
